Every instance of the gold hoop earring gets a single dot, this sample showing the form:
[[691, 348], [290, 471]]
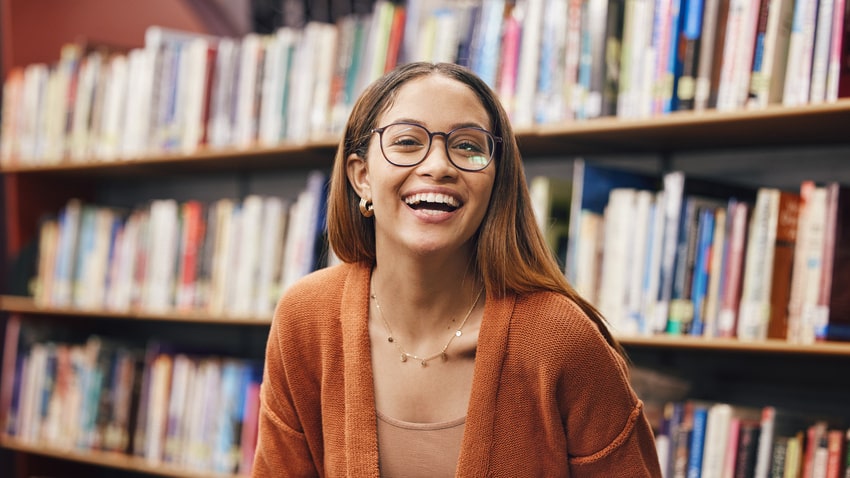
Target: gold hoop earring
[[366, 208]]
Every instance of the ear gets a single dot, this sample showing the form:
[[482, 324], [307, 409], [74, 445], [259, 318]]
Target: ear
[[357, 169]]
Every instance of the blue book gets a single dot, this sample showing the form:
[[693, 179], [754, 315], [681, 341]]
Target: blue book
[[697, 441], [705, 249]]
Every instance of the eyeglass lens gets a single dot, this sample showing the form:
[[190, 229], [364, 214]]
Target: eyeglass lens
[[408, 144]]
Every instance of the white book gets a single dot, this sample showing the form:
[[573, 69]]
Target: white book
[[271, 247], [135, 140], [834, 69], [247, 98], [800, 46], [248, 256], [529, 54], [162, 255], [225, 210], [716, 437], [810, 268], [616, 259], [591, 233], [733, 51], [108, 145], [280, 50], [88, 78], [35, 85], [639, 239], [220, 123], [327, 35], [754, 310], [821, 52], [301, 93], [652, 272], [183, 370], [195, 94]]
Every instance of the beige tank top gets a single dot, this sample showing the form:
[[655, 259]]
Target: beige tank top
[[414, 450]]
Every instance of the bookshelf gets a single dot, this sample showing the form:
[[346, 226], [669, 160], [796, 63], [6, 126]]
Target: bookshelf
[[803, 138], [717, 368]]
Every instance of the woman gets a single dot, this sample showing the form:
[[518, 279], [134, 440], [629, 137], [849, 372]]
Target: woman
[[448, 343]]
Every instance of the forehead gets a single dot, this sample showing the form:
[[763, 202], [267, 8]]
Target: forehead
[[438, 102]]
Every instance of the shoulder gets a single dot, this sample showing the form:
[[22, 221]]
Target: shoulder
[[317, 297], [320, 286], [558, 327]]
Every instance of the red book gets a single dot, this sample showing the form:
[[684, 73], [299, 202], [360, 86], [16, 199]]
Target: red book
[[835, 454], [396, 37], [783, 264], [733, 266]]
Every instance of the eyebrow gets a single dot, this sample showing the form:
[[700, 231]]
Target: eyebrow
[[451, 127]]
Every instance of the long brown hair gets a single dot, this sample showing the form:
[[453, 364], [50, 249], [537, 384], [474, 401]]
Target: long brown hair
[[512, 255]]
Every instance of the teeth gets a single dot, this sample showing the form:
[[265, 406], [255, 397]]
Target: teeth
[[436, 198]]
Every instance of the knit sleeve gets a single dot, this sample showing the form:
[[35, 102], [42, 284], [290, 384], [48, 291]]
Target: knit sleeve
[[282, 447], [608, 433]]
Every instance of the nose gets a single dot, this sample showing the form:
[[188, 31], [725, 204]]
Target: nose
[[437, 163]]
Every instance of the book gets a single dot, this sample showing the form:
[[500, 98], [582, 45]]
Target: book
[[808, 263], [767, 84], [694, 233], [718, 422], [746, 452], [738, 214], [678, 186], [767, 276], [591, 186], [833, 309], [550, 200], [688, 60], [697, 441]]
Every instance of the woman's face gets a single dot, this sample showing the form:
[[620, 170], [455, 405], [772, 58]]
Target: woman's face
[[432, 207]]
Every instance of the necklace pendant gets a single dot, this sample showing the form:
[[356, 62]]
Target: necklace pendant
[[444, 357], [423, 363], [404, 357]]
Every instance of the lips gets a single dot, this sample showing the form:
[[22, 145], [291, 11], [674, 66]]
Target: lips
[[432, 201]]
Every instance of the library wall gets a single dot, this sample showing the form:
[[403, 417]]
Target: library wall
[[37, 29]]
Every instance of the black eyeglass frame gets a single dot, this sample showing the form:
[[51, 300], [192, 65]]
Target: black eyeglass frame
[[445, 134]]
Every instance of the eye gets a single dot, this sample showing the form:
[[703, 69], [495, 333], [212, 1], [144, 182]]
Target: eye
[[404, 138], [470, 142]]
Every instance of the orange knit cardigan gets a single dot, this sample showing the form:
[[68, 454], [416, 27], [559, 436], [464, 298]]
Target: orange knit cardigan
[[549, 397]]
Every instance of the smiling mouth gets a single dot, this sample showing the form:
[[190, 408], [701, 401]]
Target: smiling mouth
[[432, 201]]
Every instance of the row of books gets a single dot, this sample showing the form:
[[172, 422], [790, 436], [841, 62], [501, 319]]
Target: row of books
[[677, 254], [228, 258], [711, 440], [198, 412], [549, 60]]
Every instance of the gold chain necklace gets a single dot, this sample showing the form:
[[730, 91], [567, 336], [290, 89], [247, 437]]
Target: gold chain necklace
[[423, 361]]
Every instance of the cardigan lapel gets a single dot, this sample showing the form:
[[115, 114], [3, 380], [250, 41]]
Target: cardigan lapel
[[361, 434], [475, 452]]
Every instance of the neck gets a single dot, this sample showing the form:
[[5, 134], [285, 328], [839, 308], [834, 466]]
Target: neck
[[421, 298]]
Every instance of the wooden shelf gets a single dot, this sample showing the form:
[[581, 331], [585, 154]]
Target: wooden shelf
[[290, 155], [115, 460], [771, 346], [26, 305], [775, 126]]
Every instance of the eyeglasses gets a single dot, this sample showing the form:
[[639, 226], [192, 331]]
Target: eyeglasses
[[407, 144]]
